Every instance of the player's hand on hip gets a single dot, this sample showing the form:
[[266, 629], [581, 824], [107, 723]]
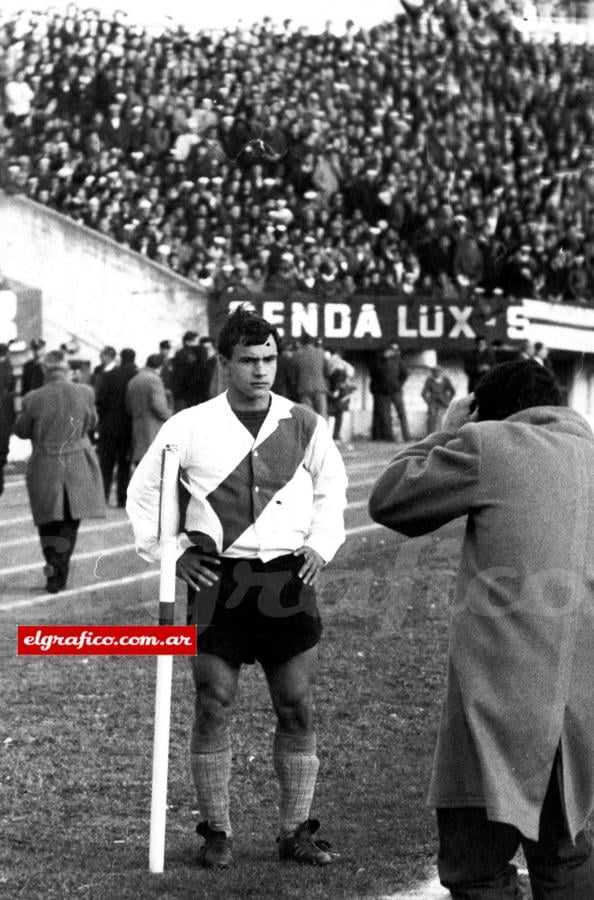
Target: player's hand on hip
[[196, 569], [313, 563]]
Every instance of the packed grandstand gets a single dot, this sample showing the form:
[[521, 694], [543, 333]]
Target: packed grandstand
[[442, 153]]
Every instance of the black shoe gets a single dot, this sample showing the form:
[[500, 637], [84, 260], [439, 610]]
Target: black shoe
[[52, 585], [300, 846], [216, 851], [56, 579]]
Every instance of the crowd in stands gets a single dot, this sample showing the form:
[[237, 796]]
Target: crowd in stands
[[439, 154]]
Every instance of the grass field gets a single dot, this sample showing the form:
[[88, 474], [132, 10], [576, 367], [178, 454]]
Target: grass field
[[76, 750]]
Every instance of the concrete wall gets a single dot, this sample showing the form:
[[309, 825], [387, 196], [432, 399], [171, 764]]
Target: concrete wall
[[92, 287]]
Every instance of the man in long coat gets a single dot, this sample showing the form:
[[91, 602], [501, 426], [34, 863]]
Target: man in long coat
[[514, 762], [63, 477], [146, 401]]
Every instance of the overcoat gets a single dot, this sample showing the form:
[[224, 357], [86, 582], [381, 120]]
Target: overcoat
[[147, 404], [57, 418], [521, 654]]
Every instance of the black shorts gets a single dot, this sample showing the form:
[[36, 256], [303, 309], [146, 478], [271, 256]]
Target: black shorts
[[256, 611]]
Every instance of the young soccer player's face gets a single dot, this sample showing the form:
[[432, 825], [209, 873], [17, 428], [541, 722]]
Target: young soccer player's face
[[250, 374]]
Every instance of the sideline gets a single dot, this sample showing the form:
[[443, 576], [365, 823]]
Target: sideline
[[77, 557], [432, 889], [428, 890], [118, 582]]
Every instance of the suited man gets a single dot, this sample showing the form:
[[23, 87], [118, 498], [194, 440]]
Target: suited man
[[33, 371], [185, 372], [209, 375], [114, 445], [146, 402]]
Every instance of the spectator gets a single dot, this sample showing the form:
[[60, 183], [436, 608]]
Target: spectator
[[340, 388], [480, 361], [7, 384], [147, 405], [477, 175], [18, 97], [166, 367], [526, 351], [541, 356], [114, 443], [210, 376], [33, 370], [285, 381], [311, 372], [185, 373], [438, 392], [63, 476], [108, 363], [388, 374]]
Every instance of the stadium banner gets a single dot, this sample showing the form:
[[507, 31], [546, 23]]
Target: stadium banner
[[367, 323], [418, 323], [20, 312], [559, 326]]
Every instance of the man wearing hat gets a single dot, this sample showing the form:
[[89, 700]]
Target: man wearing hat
[[33, 371], [63, 476]]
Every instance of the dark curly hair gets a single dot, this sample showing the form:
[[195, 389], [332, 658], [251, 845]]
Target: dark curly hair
[[512, 386], [244, 326]]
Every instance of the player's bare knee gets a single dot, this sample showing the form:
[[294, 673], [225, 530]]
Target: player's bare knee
[[213, 708], [295, 715]]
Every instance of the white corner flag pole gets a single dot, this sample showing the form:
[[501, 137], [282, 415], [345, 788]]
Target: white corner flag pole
[[168, 527]]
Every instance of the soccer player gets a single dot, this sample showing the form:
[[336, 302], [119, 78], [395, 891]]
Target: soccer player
[[266, 491]]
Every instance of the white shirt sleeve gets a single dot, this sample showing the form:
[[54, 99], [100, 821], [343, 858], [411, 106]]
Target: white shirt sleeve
[[142, 503], [329, 478]]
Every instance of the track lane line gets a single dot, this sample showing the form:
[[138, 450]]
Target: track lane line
[[127, 579]]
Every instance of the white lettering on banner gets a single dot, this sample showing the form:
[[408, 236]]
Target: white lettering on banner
[[274, 312], [337, 320], [517, 322], [8, 311], [424, 329], [461, 327], [304, 319], [235, 304], [403, 329], [368, 322]]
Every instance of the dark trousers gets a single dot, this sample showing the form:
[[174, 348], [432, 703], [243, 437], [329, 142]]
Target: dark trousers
[[382, 418], [475, 854], [58, 540], [435, 414], [338, 416], [115, 451]]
